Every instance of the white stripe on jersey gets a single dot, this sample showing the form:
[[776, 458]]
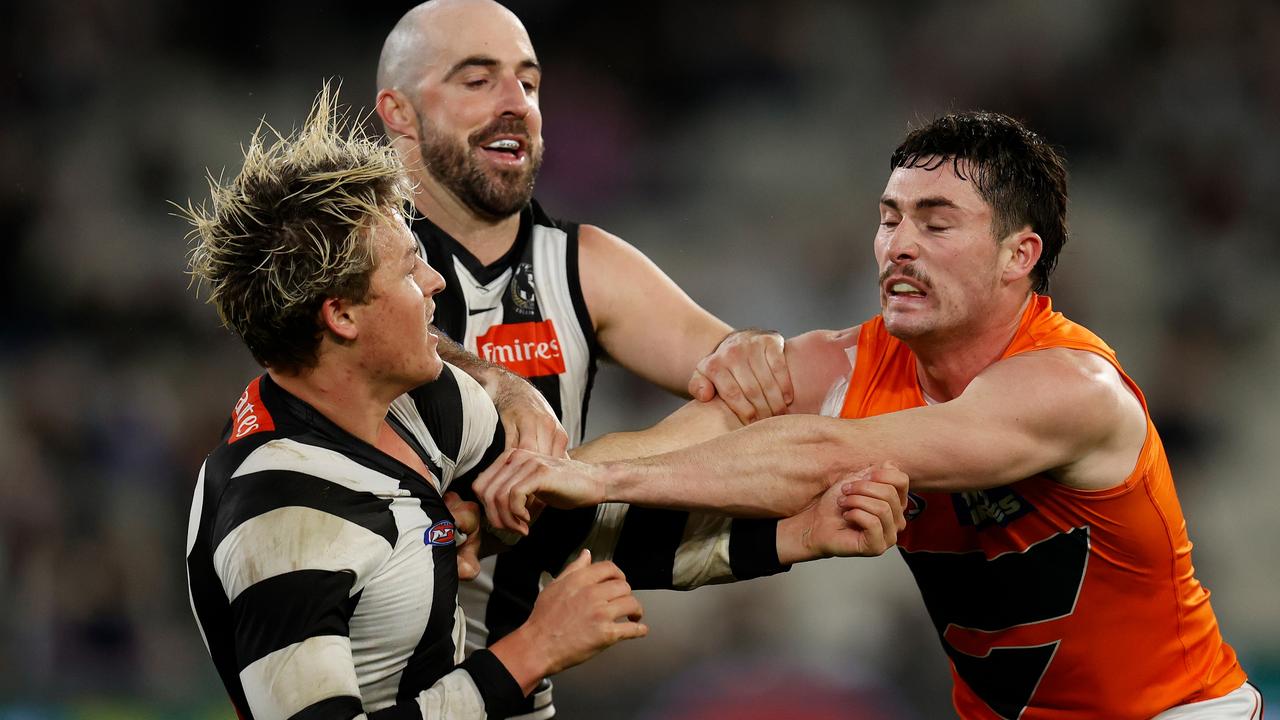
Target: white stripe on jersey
[[550, 267], [453, 696], [193, 533], [312, 670], [296, 538], [479, 417], [703, 555], [293, 456]]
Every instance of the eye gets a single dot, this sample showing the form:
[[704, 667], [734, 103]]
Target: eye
[[477, 83], [529, 86], [889, 224], [937, 228]]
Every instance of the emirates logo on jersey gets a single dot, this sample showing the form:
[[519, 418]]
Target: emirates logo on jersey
[[530, 349], [250, 415]]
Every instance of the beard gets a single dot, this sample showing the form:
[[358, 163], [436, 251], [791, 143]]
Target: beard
[[491, 193]]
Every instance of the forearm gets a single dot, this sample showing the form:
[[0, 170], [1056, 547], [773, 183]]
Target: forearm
[[486, 373], [693, 423], [770, 469]]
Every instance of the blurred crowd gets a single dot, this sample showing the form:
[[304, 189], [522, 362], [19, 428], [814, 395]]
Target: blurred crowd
[[742, 146]]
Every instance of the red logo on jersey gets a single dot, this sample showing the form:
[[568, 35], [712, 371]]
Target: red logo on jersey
[[250, 415], [442, 533], [530, 349]]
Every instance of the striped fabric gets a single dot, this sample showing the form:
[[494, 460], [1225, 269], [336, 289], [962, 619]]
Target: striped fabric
[[315, 576]]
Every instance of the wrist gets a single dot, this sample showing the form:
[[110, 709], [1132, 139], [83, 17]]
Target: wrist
[[524, 657], [794, 540]]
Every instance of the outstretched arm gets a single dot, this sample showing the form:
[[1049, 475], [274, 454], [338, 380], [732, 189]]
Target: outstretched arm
[[654, 329], [1062, 412]]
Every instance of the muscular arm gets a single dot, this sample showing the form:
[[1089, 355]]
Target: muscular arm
[[817, 360], [1061, 412], [642, 318]]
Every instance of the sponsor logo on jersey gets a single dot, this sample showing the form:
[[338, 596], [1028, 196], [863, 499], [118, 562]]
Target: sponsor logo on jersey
[[524, 294], [915, 506], [530, 349], [983, 508], [439, 534], [250, 415]]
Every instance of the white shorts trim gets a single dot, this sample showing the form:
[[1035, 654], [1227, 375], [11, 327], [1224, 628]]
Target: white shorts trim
[[1243, 703]]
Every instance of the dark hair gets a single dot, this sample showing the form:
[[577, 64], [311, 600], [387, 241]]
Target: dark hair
[[1016, 172]]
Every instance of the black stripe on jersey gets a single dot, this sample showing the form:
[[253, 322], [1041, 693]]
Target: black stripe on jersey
[[249, 496], [440, 404], [594, 350], [279, 611], [516, 572], [499, 690], [461, 484], [753, 548], [399, 711], [343, 706], [647, 544], [432, 660], [214, 621]]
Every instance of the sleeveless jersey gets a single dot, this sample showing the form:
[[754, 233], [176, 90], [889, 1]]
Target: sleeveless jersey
[[1053, 602], [524, 311]]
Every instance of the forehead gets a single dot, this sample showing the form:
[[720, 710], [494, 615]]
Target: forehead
[[392, 239], [907, 186], [475, 29]]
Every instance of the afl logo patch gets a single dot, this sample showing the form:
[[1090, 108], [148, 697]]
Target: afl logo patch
[[915, 506], [439, 534]]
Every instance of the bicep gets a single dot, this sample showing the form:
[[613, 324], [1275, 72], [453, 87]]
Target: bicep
[[644, 320], [1021, 417]]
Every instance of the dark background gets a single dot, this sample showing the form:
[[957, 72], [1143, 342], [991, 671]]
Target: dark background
[[742, 146]]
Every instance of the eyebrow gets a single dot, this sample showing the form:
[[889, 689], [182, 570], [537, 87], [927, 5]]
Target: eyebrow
[[921, 204], [485, 61]]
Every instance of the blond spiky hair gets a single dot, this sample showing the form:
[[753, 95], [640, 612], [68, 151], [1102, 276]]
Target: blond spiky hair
[[292, 229]]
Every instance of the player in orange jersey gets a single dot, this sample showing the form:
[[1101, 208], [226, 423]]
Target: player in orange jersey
[[1044, 531]]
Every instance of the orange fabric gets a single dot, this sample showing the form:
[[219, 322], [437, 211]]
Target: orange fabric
[[1053, 602]]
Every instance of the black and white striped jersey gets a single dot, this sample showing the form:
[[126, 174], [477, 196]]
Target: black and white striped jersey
[[323, 572], [524, 311]]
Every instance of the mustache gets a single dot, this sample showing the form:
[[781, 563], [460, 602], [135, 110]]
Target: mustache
[[505, 125], [908, 271]]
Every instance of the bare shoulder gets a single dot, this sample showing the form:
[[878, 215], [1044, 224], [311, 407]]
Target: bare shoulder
[[597, 245], [817, 360], [1080, 399]]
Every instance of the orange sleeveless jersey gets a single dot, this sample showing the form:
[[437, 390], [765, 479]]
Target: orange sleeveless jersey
[[1053, 602]]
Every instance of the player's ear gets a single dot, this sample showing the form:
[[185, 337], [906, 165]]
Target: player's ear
[[1024, 248], [337, 319], [399, 118]]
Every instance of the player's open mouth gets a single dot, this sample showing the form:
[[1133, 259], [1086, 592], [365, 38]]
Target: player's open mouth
[[903, 289], [506, 150]]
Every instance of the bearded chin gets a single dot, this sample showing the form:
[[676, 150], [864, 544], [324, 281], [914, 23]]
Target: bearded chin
[[491, 194]]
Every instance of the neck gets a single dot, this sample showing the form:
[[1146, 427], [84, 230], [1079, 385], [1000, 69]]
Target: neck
[[485, 238], [350, 402], [946, 365]]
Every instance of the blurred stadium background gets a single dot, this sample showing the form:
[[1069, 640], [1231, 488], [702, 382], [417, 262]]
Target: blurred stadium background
[[740, 145]]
